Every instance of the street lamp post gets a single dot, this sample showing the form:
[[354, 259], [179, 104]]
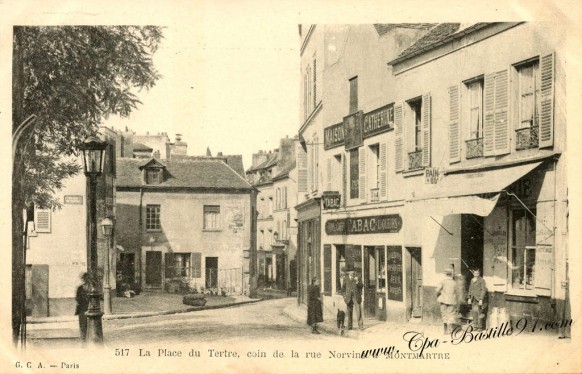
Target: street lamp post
[[93, 151], [107, 227]]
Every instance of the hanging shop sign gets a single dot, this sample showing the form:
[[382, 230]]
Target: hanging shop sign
[[331, 200], [353, 130], [394, 260], [391, 223], [333, 136], [379, 120]]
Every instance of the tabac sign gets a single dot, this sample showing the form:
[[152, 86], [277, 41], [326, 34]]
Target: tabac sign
[[331, 199], [391, 223]]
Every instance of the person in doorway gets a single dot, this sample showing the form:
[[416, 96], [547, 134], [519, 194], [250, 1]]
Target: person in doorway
[[476, 298], [353, 298], [314, 310], [447, 297], [82, 299]]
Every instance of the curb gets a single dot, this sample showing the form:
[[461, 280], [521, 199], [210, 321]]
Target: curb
[[323, 327], [144, 314]]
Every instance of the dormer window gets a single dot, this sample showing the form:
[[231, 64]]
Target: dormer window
[[153, 172], [153, 176]]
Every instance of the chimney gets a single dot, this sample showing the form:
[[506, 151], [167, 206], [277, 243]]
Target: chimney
[[219, 154], [178, 137]]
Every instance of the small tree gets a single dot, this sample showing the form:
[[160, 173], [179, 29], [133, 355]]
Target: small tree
[[71, 78]]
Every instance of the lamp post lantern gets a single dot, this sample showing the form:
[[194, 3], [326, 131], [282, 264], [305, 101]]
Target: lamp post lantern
[[107, 227], [93, 151]]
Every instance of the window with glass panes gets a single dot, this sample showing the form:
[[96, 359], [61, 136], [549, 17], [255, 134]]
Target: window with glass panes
[[153, 217], [182, 264], [523, 249], [211, 217], [475, 108], [529, 94]]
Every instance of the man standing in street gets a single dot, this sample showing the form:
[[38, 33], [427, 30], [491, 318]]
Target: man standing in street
[[353, 298], [476, 298]]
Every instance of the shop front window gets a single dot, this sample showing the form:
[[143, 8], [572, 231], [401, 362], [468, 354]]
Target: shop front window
[[523, 249], [381, 265], [340, 263]]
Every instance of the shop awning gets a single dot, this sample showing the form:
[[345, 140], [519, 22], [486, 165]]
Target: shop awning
[[460, 193]]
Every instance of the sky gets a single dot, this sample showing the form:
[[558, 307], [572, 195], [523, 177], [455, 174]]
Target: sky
[[234, 89]]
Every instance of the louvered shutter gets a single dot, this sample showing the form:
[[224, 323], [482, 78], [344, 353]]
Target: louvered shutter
[[301, 170], [42, 220], [327, 269], [501, 112], [426, 119], [454, 125], [546, 137], [345, 180], [169, 260], [488, 125], [398, 138], [329, 173], [362, 167], [196, 264], [383, 182]]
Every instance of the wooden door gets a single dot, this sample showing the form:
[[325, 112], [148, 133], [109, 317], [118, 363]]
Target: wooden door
[[369, 280], [153, 268], [416, 281], [211, 272]]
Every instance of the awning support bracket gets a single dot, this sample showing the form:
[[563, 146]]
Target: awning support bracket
[[437, 222], [530, 212]]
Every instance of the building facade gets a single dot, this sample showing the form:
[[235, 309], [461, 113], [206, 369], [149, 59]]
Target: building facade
[[436, 155], [185, 224]]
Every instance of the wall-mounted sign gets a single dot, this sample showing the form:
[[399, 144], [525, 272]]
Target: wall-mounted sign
[[379, 120], [333, 136], [394, 260], [431, 175], [353, 130], [74, 199], [331, 200], [391, 223]]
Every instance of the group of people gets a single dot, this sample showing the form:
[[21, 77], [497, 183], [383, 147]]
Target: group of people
[[447, 296], [352, 289]]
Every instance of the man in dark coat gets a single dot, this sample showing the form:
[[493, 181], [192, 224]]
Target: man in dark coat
[[476, 298], [82, 298], [353, 298]]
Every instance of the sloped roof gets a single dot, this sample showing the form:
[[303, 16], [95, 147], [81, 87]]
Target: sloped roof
[[383, 28], [271, 161], [201, 173], [236, 163], [141, 147], [439, 34], [285, 171]]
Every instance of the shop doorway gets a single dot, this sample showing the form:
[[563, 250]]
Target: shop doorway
[[153, 268], [415, 282], [369, 278], [211, 272], [471, 245]]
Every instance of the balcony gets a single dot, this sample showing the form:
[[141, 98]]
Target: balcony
[[415, 160], [474, 148], [527, 137], [374, 195]]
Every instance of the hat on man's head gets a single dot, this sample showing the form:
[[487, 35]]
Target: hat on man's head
[[348, 268]]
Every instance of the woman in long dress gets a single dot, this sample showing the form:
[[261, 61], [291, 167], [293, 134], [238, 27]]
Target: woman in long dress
[[314, 310]]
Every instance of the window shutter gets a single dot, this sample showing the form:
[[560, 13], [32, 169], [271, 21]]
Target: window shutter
[[42, 220], [329, 173], [327, 269], [169, 260], [488, 125], [426, 117], [345, 180], [196, 265], [362, 157], [383, 174], [454, 125], [501, 112], [398, 138], [314, 83], [301, 170], [547, 101]]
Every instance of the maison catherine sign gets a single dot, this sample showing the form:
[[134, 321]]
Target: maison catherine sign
[[357, 127], [391, 223]]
